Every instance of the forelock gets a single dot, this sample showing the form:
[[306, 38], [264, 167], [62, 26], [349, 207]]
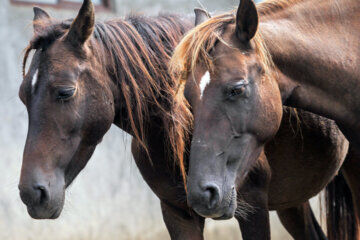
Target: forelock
[[49, 33], [195, 48], [46, 34]]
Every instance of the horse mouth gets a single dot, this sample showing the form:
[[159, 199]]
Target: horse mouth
[[39, 212], [222, 212], [229, 211]]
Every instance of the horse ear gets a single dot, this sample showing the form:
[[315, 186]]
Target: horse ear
[[83, 25], [40, 14], [247, 20], [41, 18], [201, 16]]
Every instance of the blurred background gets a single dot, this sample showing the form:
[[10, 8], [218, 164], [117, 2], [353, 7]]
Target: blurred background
[[109, 199]]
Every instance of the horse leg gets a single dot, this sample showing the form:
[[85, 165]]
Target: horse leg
[[255, 223], [252, 212], [181, 225], [351, 172], [301, 223]]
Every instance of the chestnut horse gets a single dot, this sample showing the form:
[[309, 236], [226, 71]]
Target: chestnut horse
[[237, 109], [85, 76]]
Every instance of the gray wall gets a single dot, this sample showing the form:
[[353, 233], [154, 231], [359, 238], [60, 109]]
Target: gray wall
[[109, 199]]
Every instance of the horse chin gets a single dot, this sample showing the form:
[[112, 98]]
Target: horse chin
[[227, 215], [37, 213]]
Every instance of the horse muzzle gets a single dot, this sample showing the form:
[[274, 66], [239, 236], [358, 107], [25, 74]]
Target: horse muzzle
[[42, 194], [209, 202]]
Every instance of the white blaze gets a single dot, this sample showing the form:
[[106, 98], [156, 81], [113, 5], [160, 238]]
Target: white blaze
[[205, 80], [34, 79]]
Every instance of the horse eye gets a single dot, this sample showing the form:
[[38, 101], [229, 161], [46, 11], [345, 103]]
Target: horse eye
[[66, 93], [237, 90]]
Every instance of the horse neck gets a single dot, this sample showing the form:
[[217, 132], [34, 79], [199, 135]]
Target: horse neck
[[315, 49]]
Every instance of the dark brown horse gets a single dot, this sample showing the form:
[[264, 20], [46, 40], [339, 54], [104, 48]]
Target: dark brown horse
[[83, 77], [237, 109]]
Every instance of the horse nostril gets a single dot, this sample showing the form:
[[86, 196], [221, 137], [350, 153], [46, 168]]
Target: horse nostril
[[212, 195], [42, 194], [34, 195]]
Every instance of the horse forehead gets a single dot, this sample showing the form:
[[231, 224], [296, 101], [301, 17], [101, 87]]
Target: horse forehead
[[225, 55], [232, 52], [59, 56], [60, 60], [234, 65]]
